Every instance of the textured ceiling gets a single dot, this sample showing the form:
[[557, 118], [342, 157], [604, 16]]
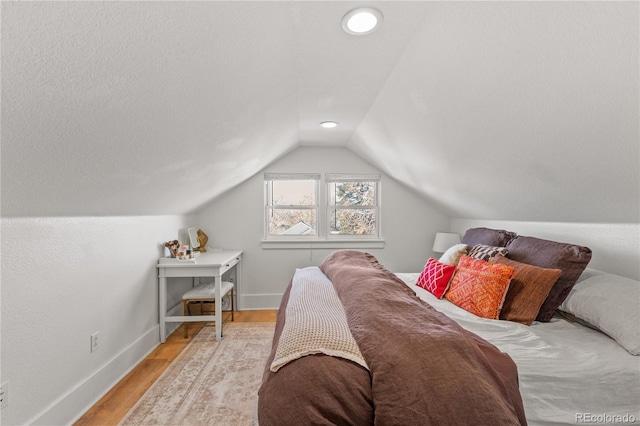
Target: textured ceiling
[[516, 111], [499, 110]]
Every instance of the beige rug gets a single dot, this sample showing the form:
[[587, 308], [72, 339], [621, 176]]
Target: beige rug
[[209, 383]]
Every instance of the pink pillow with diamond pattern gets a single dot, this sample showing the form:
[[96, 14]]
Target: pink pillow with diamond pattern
[[435, 277]]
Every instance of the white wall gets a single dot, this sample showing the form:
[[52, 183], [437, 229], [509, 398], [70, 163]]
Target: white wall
[[235, 220], [62, 280], [615, 247]]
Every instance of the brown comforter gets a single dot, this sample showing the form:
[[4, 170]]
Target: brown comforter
[[424, 368]]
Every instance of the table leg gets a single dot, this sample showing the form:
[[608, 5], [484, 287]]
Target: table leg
[[218, 305], [238, 286], [162, 306]]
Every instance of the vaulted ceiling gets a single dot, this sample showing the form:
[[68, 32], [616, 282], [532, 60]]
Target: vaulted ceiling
[[499, 110]]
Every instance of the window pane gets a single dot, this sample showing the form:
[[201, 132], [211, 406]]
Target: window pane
[[352, 221], [352, 194], [292, 221], [293, 193]]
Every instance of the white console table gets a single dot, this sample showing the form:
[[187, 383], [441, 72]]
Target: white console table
[[212, 263]]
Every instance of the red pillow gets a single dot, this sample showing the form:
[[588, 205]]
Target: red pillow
[[435, 277]]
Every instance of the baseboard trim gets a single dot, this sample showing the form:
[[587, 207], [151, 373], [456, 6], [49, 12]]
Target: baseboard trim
[[253, 302], [67, 409]]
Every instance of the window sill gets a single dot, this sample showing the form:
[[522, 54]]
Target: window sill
[[323, 244]]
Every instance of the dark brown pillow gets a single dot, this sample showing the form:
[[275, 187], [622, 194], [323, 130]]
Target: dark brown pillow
[[570, 258], [487, 237], [529, 288]]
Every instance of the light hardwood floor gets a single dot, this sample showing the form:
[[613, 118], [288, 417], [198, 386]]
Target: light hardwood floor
[[122, 397]]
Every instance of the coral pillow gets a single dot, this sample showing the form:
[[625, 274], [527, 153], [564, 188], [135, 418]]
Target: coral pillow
[[480, 287], [435, 277], [529, 288]]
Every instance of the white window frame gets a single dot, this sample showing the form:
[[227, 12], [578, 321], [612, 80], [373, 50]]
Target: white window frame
[[268, 179], [322, 239], [334, 177]]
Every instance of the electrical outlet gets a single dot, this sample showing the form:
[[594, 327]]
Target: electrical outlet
[[4, 395], [94, 341]]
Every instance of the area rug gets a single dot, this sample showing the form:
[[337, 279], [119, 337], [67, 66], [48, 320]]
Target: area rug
[[209, 383]]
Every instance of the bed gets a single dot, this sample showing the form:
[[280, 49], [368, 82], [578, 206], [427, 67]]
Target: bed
[[422, 359]]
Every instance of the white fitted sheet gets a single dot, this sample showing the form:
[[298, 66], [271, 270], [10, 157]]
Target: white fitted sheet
[[569, 374]]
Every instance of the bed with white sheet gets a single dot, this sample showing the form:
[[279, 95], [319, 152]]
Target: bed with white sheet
[[569, 373], [556, 343]]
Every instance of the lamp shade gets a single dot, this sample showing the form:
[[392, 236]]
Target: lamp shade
[[444, 240]]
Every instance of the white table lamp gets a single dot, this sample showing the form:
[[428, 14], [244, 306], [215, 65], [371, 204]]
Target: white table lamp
[[444, 240]]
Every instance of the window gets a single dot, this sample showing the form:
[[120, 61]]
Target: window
[[308, 207], [352, 207], [291, 205]]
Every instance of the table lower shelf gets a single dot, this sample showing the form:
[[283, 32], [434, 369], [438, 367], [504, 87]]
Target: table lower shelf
[[191, 318]]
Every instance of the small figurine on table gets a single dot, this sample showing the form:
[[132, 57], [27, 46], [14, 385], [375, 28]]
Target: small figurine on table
[[203, 239]]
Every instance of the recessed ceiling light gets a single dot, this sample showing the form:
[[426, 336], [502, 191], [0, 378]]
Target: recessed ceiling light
[[329, 124], [362, 21]]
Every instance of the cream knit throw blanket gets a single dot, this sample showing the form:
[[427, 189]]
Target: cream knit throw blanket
[[315, 322]]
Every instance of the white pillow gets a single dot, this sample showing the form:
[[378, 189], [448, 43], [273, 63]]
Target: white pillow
[[453, 254], [611, 304], [588, 273]]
